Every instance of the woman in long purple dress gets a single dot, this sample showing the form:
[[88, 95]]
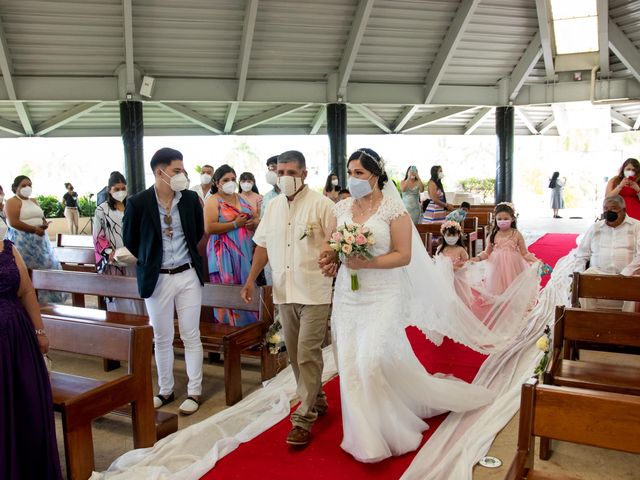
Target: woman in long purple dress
[[28, 447]]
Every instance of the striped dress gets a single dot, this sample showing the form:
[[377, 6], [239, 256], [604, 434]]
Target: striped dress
[[434, 212]]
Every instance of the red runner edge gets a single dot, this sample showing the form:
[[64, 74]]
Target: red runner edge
[[268, 456]]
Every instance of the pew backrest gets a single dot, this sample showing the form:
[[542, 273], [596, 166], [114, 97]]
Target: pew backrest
[[604, 287], [78, 241], [597, 326]]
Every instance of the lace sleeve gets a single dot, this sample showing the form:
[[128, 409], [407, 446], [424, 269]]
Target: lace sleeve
[[391, 208], [342, 208]]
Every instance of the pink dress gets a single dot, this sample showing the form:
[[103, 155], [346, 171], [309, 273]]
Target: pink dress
[[505, 262]]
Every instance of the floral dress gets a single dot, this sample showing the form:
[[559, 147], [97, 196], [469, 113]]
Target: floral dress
[[229, 256]]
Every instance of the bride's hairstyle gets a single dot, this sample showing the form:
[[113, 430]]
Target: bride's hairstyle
[[502, 207], [371, 162]]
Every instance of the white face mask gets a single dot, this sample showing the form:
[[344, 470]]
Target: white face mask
[[629, 173], [26, 192], [178, 182], [205, 178], [451, 240], [119, 196], [271, 177], [359, 187], [334, 182], [229, 188], [1, 198], [246, 186], [440, 175], [289, 185]]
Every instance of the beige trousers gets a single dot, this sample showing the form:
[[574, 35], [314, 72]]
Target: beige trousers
[[304, 328], [71, 215]]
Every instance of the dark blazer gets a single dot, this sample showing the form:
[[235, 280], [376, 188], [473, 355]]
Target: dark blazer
[[142, 234]]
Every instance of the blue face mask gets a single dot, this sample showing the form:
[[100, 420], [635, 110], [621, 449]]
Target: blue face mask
[[359, 188]]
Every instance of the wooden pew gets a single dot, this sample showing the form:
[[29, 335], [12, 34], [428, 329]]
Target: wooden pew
[[217, 338], [470, 228], [591, 326], [81, 400], [77, 241], [588, 417], [77, 259]]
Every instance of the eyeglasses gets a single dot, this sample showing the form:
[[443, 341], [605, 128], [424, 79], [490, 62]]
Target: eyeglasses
[[167, 221]]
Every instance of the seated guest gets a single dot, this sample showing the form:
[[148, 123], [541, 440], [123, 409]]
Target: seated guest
[[203, 189], [611, 246], [27, 429], [332, 187], [28, 232], [227, 217], [459, 214]]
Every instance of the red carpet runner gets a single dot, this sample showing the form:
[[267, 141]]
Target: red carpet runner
[[267, 456]]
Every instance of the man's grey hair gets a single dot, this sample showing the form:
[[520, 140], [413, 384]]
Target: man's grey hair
[[293, 156], [617, 199]]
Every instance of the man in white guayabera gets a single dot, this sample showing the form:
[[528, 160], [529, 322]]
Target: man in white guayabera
[[291, 237]]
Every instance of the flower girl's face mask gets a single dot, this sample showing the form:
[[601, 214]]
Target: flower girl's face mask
[[451, 240], [503, 220]]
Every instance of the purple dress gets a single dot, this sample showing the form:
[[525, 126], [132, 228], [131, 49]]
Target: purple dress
[[28, 447]]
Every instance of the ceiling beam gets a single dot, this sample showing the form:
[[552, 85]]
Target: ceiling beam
[[603, 35], [6, 68], [358, 27], [546, 125], [193, 117], [476, 121], [10, 127], [527, 121], [246, 43], [127, 17], [66, 117], [434, 117], [404, 117], [372, 116], [622, 120], [448, 46], [267, 116], [636, 125], [319, 119], [624, 49], [523, 68], [544, 27]]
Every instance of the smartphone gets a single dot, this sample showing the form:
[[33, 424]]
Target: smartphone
[[414, 169]]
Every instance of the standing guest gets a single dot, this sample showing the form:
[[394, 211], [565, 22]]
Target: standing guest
[[27, 231], [227, 217], [112, 257], [70, 202], [412, 187], [332, 187], [249, 192], [203, 189], [291, 237], [102, 195], [626, 185], [3, 219], [556, 185], [272, 179], [438, 207], [161, 228], [344, 193], [27, 430]]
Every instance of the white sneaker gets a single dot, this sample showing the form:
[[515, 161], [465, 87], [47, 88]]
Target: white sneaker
[[190, 405], [161, 400]]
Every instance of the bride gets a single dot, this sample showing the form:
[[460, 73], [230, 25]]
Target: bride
[[385, 391]]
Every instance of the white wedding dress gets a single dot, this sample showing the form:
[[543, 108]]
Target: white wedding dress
[[385, 391]]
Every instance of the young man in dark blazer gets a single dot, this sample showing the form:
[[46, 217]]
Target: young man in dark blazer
[[162, 227]]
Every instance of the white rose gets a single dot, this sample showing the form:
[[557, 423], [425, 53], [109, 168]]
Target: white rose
[[543, 343]]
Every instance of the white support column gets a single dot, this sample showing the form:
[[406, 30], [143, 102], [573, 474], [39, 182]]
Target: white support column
[[603, 36], [127, 16], [358, 27]]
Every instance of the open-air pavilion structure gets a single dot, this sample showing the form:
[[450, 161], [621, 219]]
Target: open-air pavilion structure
[[198, 67]]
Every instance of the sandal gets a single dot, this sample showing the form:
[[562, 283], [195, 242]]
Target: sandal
[[162, 400], [190, 405]]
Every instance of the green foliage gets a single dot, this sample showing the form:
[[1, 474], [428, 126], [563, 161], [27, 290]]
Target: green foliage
[[198, 168], [50, 206], [482, 186], [86, 207]]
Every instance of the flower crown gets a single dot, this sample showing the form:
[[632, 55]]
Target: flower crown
[[450, 224], [378, 161], [508, 204]]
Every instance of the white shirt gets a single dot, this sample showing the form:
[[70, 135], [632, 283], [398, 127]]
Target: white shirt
[[203, 195], [294, 260], [610, 250]]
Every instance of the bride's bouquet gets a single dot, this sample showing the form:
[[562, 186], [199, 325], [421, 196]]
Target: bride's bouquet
[[350, 240]]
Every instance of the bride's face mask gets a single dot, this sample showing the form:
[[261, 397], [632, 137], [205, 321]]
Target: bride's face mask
[[359, 182]]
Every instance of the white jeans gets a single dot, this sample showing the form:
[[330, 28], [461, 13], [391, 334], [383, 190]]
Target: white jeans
[[185, 292]]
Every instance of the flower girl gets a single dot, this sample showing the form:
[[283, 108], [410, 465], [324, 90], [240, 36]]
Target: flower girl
[[452, 246]]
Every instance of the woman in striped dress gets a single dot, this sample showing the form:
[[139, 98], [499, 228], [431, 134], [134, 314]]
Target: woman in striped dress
[[438, 207]]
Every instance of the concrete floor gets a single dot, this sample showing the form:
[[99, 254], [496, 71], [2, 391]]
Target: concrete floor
[[112, 435]]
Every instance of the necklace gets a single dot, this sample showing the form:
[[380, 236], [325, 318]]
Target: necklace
[[373, 202]]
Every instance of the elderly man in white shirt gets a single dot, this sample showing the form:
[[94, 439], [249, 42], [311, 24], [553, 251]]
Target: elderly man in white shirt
[[611, 246], [291, 237]]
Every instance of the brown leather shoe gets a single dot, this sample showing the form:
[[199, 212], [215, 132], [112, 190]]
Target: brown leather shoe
[[298, 436]]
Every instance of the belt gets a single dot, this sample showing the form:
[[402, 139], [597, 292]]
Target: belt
[[173, 271], [75, 208]]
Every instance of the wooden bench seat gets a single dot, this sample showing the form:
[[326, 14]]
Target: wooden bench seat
[[231, 341], [587, 417], [81, 400], [598, 376]]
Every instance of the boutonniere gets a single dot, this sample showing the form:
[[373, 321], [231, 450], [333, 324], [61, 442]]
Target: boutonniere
[[307, 231]]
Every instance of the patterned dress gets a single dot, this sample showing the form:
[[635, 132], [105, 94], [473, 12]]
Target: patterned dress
[[434, 212], [229, 256], [27, 430]]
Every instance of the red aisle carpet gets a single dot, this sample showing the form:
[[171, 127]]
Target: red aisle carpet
[[267, 456]]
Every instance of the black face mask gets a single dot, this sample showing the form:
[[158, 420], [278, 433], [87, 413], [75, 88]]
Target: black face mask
[[610, 216]]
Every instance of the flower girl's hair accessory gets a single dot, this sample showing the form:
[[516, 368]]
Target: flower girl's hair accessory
[[450, 224], [507, 204]]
